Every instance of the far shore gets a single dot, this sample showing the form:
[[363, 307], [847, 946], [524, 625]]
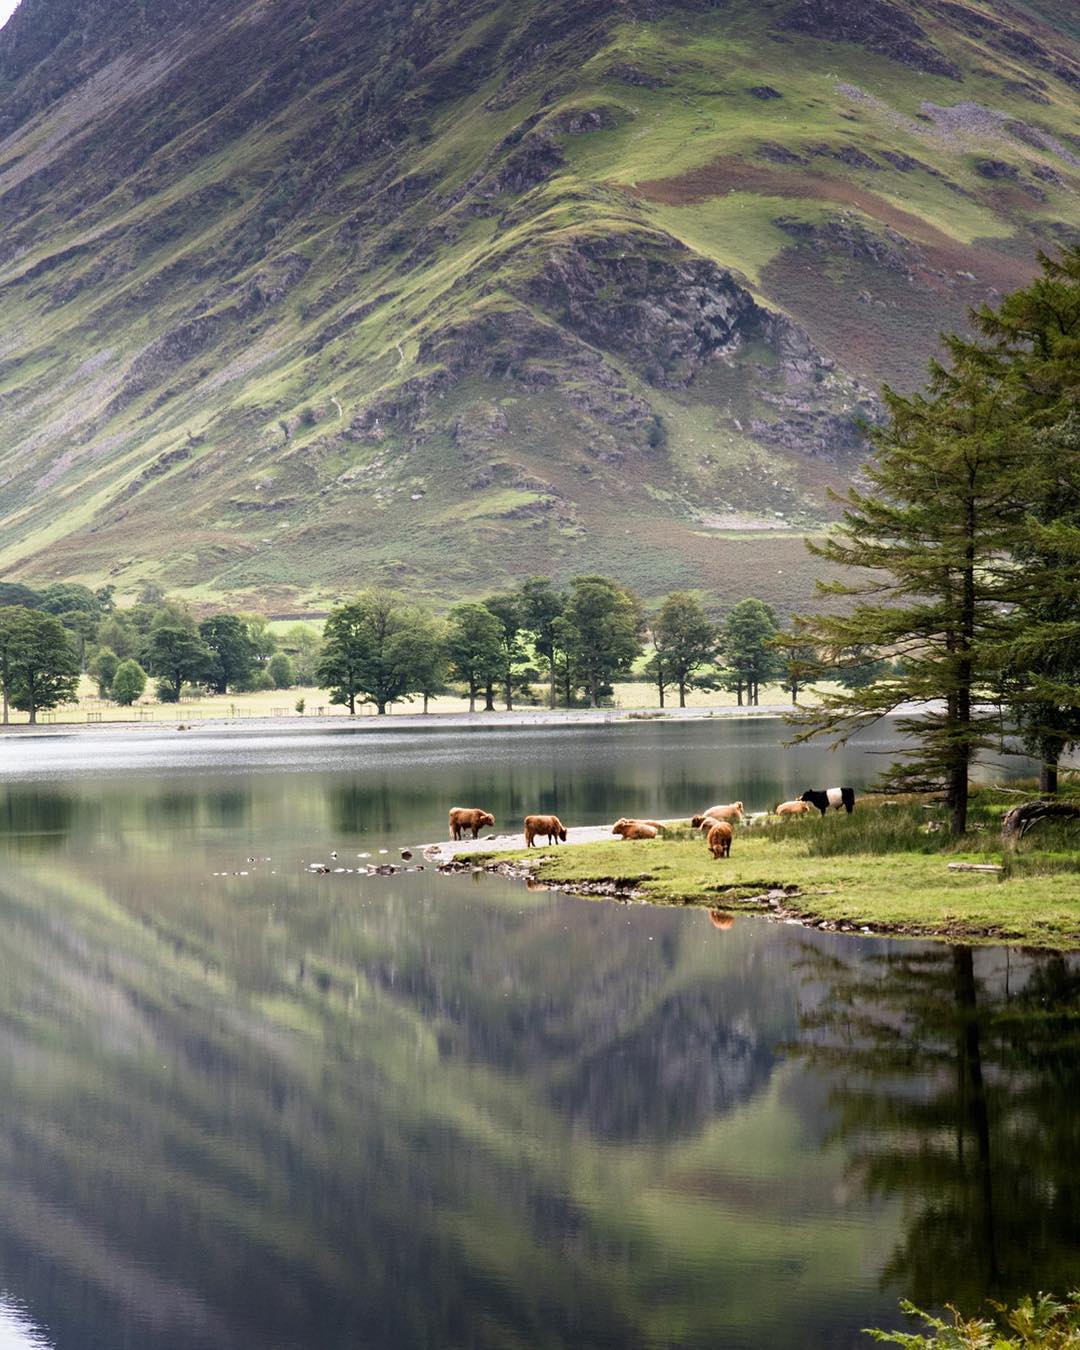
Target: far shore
[[519, 719]]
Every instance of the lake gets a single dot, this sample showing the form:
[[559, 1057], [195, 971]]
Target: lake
[[276, 1111]]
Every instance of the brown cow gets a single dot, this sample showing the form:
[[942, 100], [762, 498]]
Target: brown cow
[[720, 920], [719, 839], [635, 829], [733, 811], [792, 808], [552, 826], [464, 818]]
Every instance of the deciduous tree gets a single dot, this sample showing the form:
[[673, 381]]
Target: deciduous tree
[[280, 670], [542, 607], [475, 646], [605, 625], [43, 671], [232, 651], [509, 610], [176, 656], [103, 668], [684, 639], [129, 683], [749, 634]]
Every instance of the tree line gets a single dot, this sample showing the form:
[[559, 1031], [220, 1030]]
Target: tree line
[[962, 557], [48, 638], [380, 648]]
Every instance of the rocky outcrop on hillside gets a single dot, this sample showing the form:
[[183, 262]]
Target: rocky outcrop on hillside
[[878, 25]]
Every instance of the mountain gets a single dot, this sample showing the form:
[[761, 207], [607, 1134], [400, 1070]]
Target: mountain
[[438, 293]]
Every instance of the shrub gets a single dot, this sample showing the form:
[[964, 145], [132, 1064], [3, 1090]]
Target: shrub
[[1041, 1323], [165, 692], [128, 683], [103, 668], [280, 670]]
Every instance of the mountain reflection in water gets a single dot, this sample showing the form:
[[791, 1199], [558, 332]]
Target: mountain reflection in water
[[280, 1110]]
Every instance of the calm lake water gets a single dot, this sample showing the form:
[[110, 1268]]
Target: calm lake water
[[288, 1112]]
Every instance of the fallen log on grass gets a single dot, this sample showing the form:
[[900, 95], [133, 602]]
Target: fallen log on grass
[[1020, 819], [975, 867]]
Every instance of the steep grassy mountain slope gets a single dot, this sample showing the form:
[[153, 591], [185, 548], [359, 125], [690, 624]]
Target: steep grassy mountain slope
[[441, 292]]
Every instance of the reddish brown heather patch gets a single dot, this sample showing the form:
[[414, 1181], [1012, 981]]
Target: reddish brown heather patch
[[732, 174], [729, 173]]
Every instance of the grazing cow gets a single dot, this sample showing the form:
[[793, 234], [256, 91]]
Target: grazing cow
[[464, 818], [552, 826], [733, 811], [635, 829], [792, 808], [823, 798], [719, 839]]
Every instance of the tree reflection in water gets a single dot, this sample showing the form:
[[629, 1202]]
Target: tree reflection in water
[[949, 1070]]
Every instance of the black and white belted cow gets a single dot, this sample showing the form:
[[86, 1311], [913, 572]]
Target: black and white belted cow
[[823, 798]]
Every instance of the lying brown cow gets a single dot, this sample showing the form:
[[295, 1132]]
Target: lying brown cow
[[464, 818], [719, 839], [636, 829], [792, 808], [552, 826], [730, 811]]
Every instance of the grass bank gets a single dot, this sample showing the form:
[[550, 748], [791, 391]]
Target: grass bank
[[885, 869]]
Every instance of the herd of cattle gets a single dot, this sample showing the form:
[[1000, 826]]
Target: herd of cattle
[[717, 823]]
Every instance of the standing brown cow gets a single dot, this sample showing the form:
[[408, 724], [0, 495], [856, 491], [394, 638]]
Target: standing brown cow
[[552, 826], [464, 818]]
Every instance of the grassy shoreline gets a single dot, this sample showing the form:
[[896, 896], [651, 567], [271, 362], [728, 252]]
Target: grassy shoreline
[[884, 870]]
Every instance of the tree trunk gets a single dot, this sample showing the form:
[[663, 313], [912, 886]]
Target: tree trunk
[[794, 693], [738, 691], [472, 697], [660, 690], [958, 797], [958, 773], [551, 680], [1050, 750], [352, 705], [381, 709], [425, 703], [489, 697], [594, 696], [682, 693], [5, 703], [509, 700]]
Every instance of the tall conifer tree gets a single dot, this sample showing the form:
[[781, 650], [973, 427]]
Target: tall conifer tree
[[926, 550]]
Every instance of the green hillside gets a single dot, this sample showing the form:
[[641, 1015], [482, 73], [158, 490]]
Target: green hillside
[[318, 294]]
